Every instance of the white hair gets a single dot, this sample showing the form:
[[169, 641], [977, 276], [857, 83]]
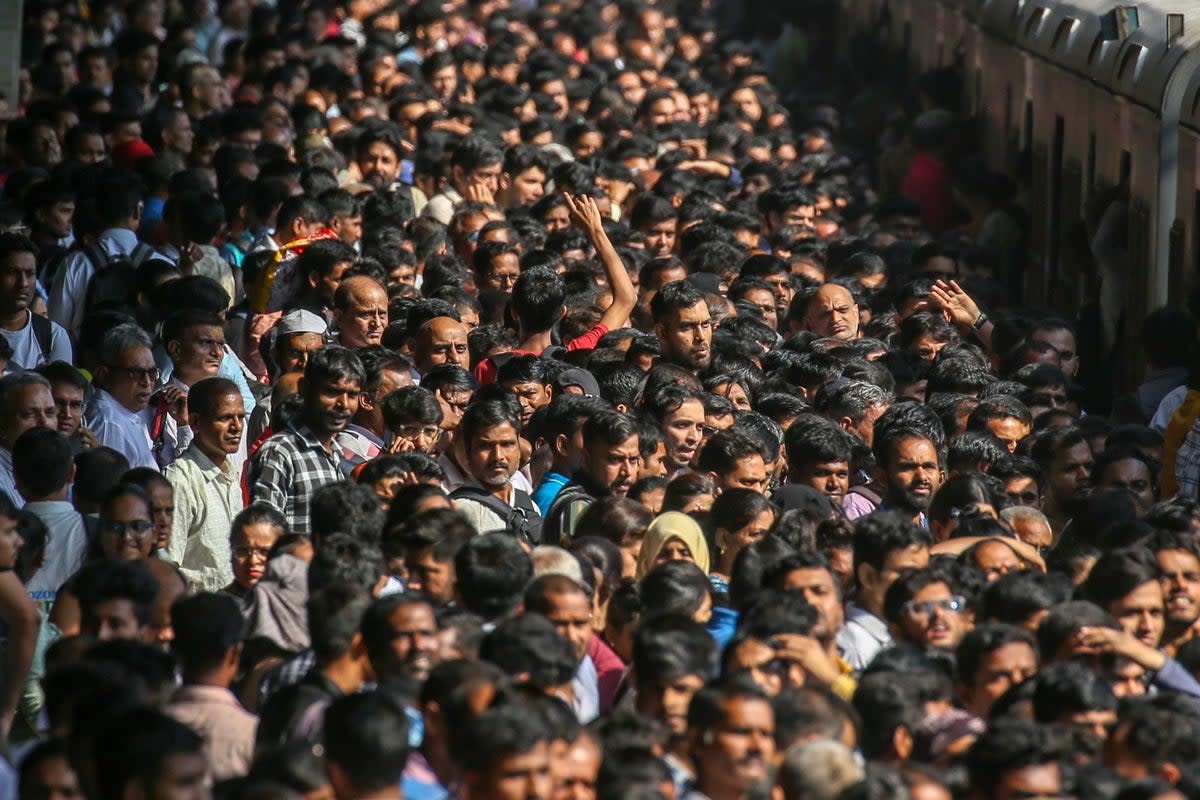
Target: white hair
[[550, 560], [818, 770]]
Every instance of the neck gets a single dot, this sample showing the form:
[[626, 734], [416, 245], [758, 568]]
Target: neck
[[437, 753], [14, 320], [1175, 635], [390, 793], [535, 342], [217, 678], [370, 421], [719, 792], [346, 673], [217, 457], [323, 436], [503, 491], [61, 495], [187, 377]]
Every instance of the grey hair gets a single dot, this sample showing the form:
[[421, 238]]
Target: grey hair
[[1014, 513], [818, 770], [119, 339], [10, 384], [550, 560], [853, 398]]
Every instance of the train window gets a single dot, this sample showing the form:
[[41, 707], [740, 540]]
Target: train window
[[1094, 53], [1035, 19], [1064, 30], [1129, 61]]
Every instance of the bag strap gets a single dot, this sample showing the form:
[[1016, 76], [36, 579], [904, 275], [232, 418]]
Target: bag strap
[[485, 498], [43, 334]]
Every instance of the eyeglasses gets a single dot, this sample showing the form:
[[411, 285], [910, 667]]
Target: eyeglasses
[[73, 406], [139, 529], [418, 432], [242, 551], [925, 608], [137, 375]]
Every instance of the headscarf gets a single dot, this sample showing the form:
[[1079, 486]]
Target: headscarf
[[664, 528]]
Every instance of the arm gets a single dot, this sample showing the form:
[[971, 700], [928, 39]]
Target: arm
[[18, 610], [185, 513], [271, 478], [1168, 673], [65, 302], [956, 547], [60, 345], [65, 614], [962, 310], [624, 296]]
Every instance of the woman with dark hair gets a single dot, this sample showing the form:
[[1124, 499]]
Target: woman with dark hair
[[623, 522], [739, 517]]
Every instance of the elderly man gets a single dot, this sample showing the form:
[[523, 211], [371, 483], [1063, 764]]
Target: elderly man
[[832, 312]]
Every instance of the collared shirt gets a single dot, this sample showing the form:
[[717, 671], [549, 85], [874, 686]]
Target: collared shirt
[[358, 444], [8, 483], [65, 549], [228, 729], [862, 637], [1187, 463], [585, 691], [172, 438], [289, 673], [456, 477], [552, 483], [207, 498], [288, 468], [482, 518], [68, 292], [121, 429]]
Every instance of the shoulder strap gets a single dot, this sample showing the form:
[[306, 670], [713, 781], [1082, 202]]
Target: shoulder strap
[[484, 498], [524, 502], [140, 254], [863, 491], [43, 334], [97, 255]]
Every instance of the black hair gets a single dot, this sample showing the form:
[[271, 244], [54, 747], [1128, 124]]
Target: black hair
[[207, 626], [41, 461], [492, 571], [134, 744], [335, 613], [530, 645], [105, 580], [983, 640], [1070, 688], [1117, 573], [889, 704]]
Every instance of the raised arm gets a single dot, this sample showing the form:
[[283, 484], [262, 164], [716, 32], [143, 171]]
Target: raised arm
[[624, 297]]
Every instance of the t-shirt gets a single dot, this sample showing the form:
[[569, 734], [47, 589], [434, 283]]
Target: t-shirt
[[27, 353], [485, 371]]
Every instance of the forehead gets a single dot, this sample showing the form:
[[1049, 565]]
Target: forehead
[[412, 614], [696, 313], [808, 576], [690, 408], [937, 590], [915, 448], [995, 551], [568, 602], [831, 295], [446, 330], [136, 356]]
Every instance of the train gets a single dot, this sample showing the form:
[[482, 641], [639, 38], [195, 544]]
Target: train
[[1097, 105]]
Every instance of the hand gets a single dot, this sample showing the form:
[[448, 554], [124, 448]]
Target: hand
[[705, 167], [401, 445], [955, 302], [189, 255], [175, 400], [585, 213], [808, 653], [88, 439], [479, 193], [1100, 640]]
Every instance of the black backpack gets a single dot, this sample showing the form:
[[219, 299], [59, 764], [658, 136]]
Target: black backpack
[[552, 526], [114, 283], [520, 519]]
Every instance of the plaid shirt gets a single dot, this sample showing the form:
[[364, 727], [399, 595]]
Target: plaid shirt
[[1187, 463], [288, 468]]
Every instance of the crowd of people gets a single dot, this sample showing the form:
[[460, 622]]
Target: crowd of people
[[561, 400]]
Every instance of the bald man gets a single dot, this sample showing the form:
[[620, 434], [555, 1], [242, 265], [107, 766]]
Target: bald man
[[832, 312], [441, 340], [360, 311]]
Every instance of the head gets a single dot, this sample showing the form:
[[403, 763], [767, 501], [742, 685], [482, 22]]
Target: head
[[491, 434], [127, 370], [682, 324], [610, 456], [27, 403], [922, 609], [731, 728], [360, 311], [116, 599], [400, 633], [252, 536], [332, 385]]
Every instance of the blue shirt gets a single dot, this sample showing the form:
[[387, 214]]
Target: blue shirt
[[547, 491]]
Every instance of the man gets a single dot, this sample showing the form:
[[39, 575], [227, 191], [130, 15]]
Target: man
[[1023, 481], [1128, 585], [1127, 468], [116, 598], [609, 462], [401, 637], [560, 428], [203, 91], [734, 460], [207, 485], [360, 312], [119, 414], [431, 543], [679, 411], [208, 645], [579, 769], [731, 729], [1004, 417], [141, 752], [413, 418], [385, 371], [34, 340], [505, 754], [27, 403], [365, 740], [44, 470], [496, 265], [911, 465], [299, 334], [683, 326], [992, 659], [1155, 737], [69, 390], [854, 406], [922, 610], [1065, 458], [1015, 758], [830, 311], [295, 462], [172, 136], [491, 573], [1178, 559], [195, 341], [566, 604], [475, 167], [523, 179], [529, 379], [441, 340], [491, 436], [818, 455], [1030, 526], [46, 773]]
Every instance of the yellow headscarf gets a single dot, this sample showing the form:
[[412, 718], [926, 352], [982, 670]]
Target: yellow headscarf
[[668, 526]]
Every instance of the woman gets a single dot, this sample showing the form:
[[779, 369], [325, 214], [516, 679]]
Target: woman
[[739, 517], [673, 536], [623, 522], [253, 534], [162, 502], [692, 493]]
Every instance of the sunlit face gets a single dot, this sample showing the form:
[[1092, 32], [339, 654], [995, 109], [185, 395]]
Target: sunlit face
[[832, 312], [683, 429], [686, 336], [1141, 613], [250, 546]]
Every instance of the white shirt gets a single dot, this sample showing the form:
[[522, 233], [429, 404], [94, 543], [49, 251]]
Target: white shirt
[[27, 353], [207, 498], [1167, 408], [862, 637], [121, 429], [173, 439], [65, 550], [8, 484], [68, 293]]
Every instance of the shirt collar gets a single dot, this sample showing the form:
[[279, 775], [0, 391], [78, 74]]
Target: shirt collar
[[870, 623]]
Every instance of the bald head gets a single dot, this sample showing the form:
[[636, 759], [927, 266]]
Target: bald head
[[832, 312], [441, 340], [360, 311]]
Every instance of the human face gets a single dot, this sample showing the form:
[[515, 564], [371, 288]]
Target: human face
[[734, 542], [18, 280], [51, 779], [162, 511], [667, 700], [1009, 430], [748, 473], [660, 238], [996, 559], [444, 81], [682, 431], [736, 753], [928, 621], [833, 313], [571, 613], [430, 577], [91, 149], [525, 188], [1023, 491], [557, 219], [442, 341], [1063, 341], [251, 546], [31, 406], [363, 321], [10, 542], [614, 467], [1038, 780], [1033, 532], [127, 529], [453, 402], [58, 218], [198, 352], [517, 776], [144, 64], [292, 352], [864, 429], [330, 404], [1181, 587], [184, 776], [674, 550], [111, 619], [1001, 669], [556, 90], [686, 335], [1132, 475], [1069, 476], [577, 771], [747, 101], [131, 380], [68, 407], [819, 587], [764, 300], [503, 273], [1140, 613], [494, 455], [179, 137], [221, 433], [832, 478], [379, 164], [415, 646], [913, 474]]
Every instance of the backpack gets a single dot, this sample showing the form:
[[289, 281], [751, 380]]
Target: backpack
[[43, 334], [113, 285], [553, 524], [520, 519]]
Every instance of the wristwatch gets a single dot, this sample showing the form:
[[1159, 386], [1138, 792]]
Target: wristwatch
[[979, 323]]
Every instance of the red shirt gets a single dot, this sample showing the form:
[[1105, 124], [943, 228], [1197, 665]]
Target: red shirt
[[928, 182], [485, 371]]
